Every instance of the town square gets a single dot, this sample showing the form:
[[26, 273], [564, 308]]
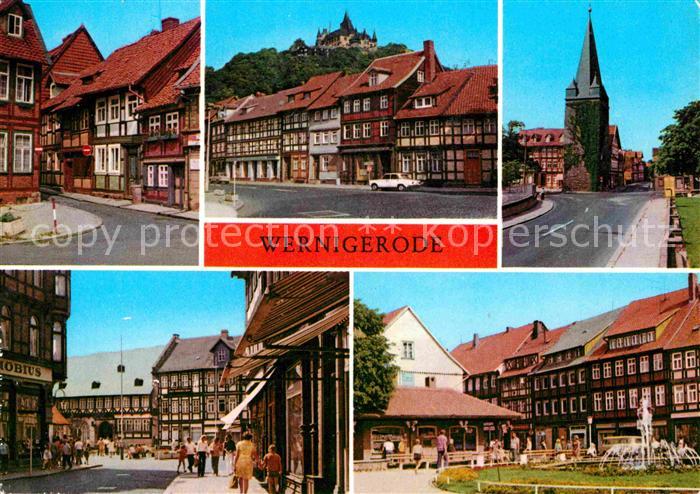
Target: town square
[[99, 135]]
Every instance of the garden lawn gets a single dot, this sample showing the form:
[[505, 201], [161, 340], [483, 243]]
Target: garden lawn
[[689, 210], [525, 475]]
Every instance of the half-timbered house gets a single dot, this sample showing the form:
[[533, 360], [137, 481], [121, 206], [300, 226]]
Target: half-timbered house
[[220, 168], [561, 385], [293, 363], [428, 397], [191, 394], [170, 128], [23, 61], [111, 395], [325, 161], [447, 130], [369, 105], [34, 311], [101, 138], [545, 147], [76, 53], [616, 157]]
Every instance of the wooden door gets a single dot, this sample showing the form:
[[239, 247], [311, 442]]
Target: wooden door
[[472, 167], [68, 175], [299, 168]]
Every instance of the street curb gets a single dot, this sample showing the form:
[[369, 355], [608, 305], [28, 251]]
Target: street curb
[[173, 215], [428, 190], [622, 247], [63, 236], [49, 473], [545, 207]]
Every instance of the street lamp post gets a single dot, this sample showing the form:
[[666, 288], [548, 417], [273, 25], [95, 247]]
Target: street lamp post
[[590, 427], [120, 370]]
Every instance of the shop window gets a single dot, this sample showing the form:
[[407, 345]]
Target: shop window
[[5, 327], [380, 435]]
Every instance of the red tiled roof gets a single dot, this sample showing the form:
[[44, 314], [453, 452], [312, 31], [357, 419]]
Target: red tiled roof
[[260, 106], [127, 65], [688, 332], [545, 340], [30, 47], [479, 94], [330, 97], [491, 350], [541, 133], [315, 86], [170, 93], [397, 67], [192, 77], [648, 312], [419, 402], [80, 50], [389, 317]]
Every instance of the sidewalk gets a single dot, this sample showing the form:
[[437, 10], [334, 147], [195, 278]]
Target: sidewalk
[[37, 219], [218, 207], [38, 472], [126, 204], [644, 244], [400, 480], [543, 207], [188, 483]]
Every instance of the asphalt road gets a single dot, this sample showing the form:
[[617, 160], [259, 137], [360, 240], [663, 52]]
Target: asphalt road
[[290, 201], [133, 476], [126, 237], [582, 230]]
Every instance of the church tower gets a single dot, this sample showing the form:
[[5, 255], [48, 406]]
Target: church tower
[[586, 121]]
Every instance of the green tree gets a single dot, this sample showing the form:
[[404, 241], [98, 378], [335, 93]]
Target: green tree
[[375, 372], [512, 149], [511, 172], [680, 143]]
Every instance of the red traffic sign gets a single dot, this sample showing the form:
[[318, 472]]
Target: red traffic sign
[[38, 149], [87, 151]]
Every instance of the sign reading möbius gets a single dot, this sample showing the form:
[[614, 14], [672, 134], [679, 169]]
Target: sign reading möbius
[[27, 371]]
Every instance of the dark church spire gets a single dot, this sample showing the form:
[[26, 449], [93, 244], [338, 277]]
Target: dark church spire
[[588, 81], [346, 24]]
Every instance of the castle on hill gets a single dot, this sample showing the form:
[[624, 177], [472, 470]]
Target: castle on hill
[[346, 36]]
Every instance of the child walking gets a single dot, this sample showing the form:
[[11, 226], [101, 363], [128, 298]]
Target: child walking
[[272, 463]]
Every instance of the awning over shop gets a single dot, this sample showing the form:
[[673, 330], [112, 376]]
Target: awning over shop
[[231, 417], [57, 417], [242, 365]]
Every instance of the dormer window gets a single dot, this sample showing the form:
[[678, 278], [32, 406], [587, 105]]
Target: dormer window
[[95, 385], [221, 355], [307, 95], [138, 382], [425, 102], [373, 79], [420, 75], [290, 98], [14, 25]]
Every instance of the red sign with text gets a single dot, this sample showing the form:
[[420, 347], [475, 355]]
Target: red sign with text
[[377, 245]]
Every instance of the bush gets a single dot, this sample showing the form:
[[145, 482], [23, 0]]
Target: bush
[[7, 218], [454, 475]]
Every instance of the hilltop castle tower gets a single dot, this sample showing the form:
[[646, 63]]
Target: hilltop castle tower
[[347, 36], [586, 121]]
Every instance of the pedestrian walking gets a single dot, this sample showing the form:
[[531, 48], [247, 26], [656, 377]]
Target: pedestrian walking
[[4, 456], [246, 456], [418, 455], [202, 453], [441, 443], [181, 456], [67, 453], [189, 445], [514, 446], [46, 458], [272, 463], [217, 449], [230, 449], [78, 450], [86, 452]]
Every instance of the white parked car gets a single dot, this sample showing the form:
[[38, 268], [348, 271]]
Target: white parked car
[[396, 181]]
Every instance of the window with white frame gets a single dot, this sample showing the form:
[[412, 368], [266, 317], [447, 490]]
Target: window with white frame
[[366, 104], [660, 393], [384, 102], [162, 175], [619, 368], [84, 119], [468, 126], [690, 359], [114, 152], [678, 394], [132, 101], [405, 129], [24, 85], [4, 80], [490, 126], [3, 152], [384, 128], [564, 406], [317, 138], [691, 391], [172, 123], [597, 402], [658, 361], [631, 366], [538, 408], [434, 127], [420, 128], [23, 153], [607, 370], [373, 78], [356, 105], [100, 160], [346, 107], [407, 350], [545, 407], [581, 376], [572, 404], [150, 175], [154, 124], [324, 114], [366, 129], [346, 132], [420, 76], [325, 161], [356, 131], [317, 116], [677, 361], [405, 163], [633, 398], [15, 25], [334, 113], [582, 403], [646, 394], [435, 161], [424, 102], [114, 108], [644, 363], [609, 401], [595, 372], [420, 162], [555, 406]]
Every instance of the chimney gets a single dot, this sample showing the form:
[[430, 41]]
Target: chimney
[[535, 330], [430, 60], [169, 23], [475, 341], [224, 333], [692, 287]]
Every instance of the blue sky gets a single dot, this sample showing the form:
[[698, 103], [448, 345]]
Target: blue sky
[[157, 304], [649, 54], [111, 23], [465, 32], [454, 306]]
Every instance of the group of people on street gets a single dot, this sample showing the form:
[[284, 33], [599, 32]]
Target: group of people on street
[[64, 453], [243, 457]]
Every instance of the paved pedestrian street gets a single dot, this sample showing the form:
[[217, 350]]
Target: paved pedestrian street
[[406, 480]]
